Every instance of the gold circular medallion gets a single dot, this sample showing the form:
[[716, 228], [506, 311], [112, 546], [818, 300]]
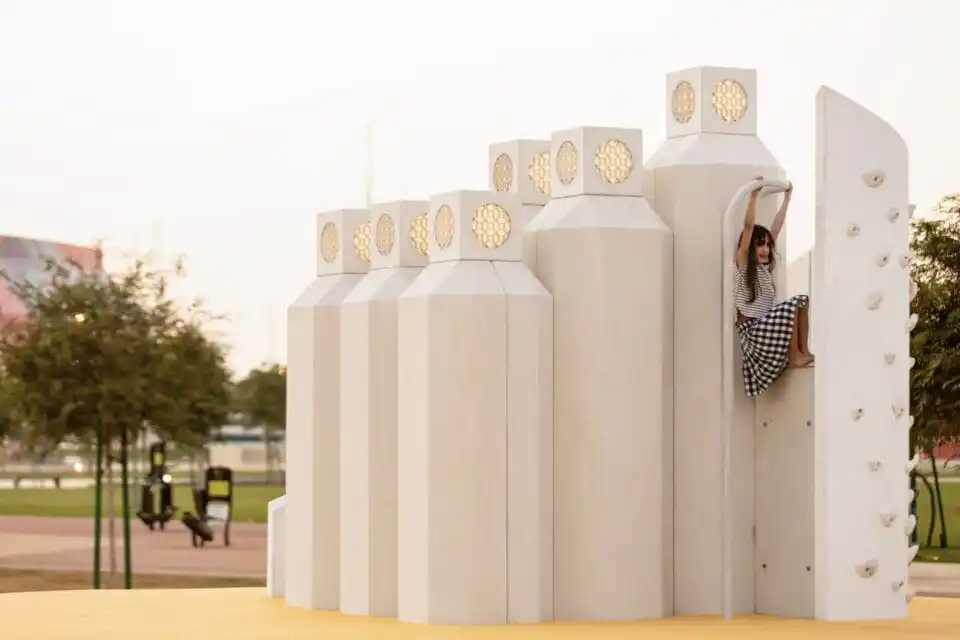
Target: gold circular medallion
[[491, 225], [443, 227], [385, 234], [614, 161], [730, 100], [419, 234], [362, 240], [539, 172], [503, 173], [683, 102], [329, 242], [567, 160]]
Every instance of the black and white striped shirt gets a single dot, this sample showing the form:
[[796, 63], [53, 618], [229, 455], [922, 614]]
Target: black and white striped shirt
[[766, 293]]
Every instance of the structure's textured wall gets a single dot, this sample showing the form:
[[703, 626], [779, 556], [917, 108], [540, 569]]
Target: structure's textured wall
[[784, 504], [861, 278]]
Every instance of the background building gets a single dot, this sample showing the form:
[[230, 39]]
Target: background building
[[25, 259]]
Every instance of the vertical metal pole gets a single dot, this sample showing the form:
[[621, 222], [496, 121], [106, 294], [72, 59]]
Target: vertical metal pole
[[726, 436], [368, 166], [124, 486], [97, 510]]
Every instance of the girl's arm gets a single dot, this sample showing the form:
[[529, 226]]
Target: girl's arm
[[781, 216], [743, 249]]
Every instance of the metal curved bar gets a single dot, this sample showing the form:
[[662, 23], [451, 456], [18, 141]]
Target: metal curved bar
[[726, 425]]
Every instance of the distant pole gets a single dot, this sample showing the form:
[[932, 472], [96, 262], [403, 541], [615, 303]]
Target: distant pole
[[156, 239], [97, 509], [368, 167], [125, 497]]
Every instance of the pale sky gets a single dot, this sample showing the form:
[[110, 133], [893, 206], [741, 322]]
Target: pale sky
[[227, 124]]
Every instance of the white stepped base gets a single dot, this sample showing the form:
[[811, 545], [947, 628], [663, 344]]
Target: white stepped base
[[276, 546]]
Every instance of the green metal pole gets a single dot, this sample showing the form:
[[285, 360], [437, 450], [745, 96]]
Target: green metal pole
[[127, 552], [97, 511], [936, 486]]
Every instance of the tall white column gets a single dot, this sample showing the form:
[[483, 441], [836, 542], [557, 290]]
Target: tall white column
[[605, 255], [368, 402], [862, 278], [711, 150], [313, 411], [475, 423]]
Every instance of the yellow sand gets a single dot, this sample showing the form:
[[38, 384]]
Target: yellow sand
[[248, 614]]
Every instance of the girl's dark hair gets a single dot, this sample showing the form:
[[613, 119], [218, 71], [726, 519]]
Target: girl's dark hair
[[760, 233]]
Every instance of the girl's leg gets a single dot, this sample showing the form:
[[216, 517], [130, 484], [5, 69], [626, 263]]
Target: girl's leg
[[795, 356], [803, 330]]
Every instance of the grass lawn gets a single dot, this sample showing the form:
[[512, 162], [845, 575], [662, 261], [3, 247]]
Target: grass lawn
[[17, 580], [249, 501], [951, 510]]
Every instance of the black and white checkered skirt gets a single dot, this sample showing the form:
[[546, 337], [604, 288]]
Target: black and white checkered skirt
[[764, 343]]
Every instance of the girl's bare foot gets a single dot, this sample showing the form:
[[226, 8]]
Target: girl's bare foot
[[800, 361]]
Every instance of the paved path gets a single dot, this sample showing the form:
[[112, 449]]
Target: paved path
[[66, 544]]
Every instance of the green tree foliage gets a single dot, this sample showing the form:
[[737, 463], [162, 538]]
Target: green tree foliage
[[107, 353], [261, 400], [935, 341], [196, 383]]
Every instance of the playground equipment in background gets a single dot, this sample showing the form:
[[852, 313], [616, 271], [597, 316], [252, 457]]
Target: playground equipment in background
[[156, 495], [214, 505]]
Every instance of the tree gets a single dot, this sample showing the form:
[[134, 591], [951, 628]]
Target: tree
[[197, 397], [98, 356], [261, 399], [935, 342]]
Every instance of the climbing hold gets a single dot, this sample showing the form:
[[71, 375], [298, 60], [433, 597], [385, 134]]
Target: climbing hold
[[875, 465], [912, 495], [896, 586], [912, 463], [856, 414], [893, 214], [883, 259], [912, 322], [910, 593], [874, 300], [910, 524], [853, 230], [887, 518], [912, 362], [913, 290], [912, 553], [890, 357], [874, 179], [897, 411], [867, 569], [910, 422], [904, 261]]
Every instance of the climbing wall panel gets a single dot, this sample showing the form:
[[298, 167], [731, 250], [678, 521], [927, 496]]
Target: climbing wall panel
[[862, 323]]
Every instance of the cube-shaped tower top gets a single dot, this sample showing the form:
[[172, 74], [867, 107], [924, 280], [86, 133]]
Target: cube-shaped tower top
[[521, 167], [712, 100], [343, 242], [399, 234], [597, 161], [475, 225]]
